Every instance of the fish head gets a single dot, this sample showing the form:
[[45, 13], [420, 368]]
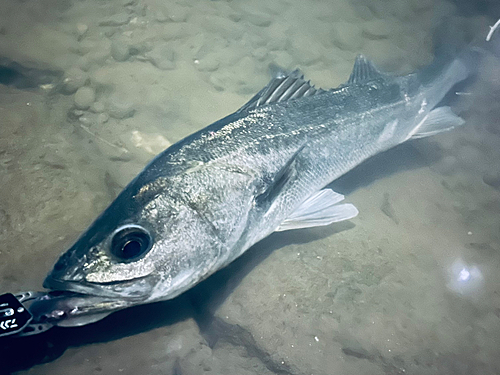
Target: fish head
[[140, 249]]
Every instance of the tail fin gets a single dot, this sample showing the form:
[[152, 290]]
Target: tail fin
[[439, 77]]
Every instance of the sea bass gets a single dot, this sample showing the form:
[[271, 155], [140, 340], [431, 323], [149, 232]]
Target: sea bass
[[205, 200]]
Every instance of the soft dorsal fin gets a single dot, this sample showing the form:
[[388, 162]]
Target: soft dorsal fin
[[364, 71], [284, 86]]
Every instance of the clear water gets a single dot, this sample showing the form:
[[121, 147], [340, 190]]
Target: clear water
[[410, 286]]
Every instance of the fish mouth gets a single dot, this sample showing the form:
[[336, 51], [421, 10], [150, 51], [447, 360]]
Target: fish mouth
[[136, 289]]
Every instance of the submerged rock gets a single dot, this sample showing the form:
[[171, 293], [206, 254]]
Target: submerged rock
[[115, 20], [209, 63], [120, 108], [492, 179], [102, 118], [74, 78], [162, 56], [120, 51], [84, 97], [81, 30], [258, 19]]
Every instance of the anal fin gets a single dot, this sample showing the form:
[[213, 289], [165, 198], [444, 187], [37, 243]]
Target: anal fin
[[319, 209], [438, 120]]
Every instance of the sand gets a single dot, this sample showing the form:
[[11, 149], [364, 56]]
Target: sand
[[410, 286]]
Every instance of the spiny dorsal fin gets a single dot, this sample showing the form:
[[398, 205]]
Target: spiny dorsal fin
[[363, 71], [284, 86]]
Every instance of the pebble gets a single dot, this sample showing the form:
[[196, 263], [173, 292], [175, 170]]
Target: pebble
[[102, 118], [115, 20], [347, 36], [260, 53], [306, 51], [120, 51], [84, 97], [85, 120], [120, 108], [78, 112], [258, 19], [282, 59], [208, 63], [223, 26], [219, 82], [235, 17], [279, 41], [102, 79], [161, 17], [162, 56], [73, 80], [81, 30], [176, 13], [492, 179], [377, 29], [363, 11], [97, 107]]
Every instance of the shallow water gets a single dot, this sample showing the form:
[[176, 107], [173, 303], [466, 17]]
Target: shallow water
[[410, 286]]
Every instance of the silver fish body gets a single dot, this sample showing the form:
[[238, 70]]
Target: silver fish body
[[205, 200]]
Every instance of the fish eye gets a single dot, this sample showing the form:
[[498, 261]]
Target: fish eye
[[130, 242]]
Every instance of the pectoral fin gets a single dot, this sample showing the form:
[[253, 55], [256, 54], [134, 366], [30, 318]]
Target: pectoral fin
[[319, 209]]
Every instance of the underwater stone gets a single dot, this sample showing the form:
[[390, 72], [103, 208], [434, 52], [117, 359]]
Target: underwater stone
[[84, 97], [347, 36], [176, 13], [258, 19], [120, 108], [259, 53], [86, 120], [77, 112], [209, 63], [305, 50], [119, 51], [81, 30], [115, 20], [161, 17], [73, 80], [377, 29], [282, 59], [102, 118], [220, 80], [162, 56], [223, 26], [97, 107], [492, 179]]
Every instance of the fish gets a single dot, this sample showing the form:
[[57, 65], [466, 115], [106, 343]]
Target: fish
[[205, 200]]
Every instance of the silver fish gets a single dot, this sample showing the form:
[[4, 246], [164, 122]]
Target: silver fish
[[205, 200]]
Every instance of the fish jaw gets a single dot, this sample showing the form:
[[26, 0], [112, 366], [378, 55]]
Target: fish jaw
[[135, 289], [69, 309]]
